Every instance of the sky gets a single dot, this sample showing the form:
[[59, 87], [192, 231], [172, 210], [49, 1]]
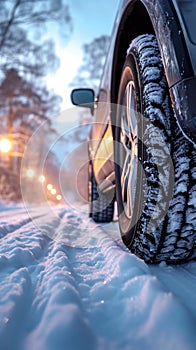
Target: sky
[[91, 19]]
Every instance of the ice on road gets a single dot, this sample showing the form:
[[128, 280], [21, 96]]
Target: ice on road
[[67, 283]]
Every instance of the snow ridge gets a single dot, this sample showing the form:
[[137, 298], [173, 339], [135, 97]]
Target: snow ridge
[[85, 290]]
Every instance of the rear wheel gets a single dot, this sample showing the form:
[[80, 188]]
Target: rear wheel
[[101, 205], [155, 164]]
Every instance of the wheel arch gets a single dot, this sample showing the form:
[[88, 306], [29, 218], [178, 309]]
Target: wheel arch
[[162, 21], [128, 29]]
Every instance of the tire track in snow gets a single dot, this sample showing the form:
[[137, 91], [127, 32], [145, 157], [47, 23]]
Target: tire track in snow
[[9, 228], [99, 284], [16, 224], [25, 242], [107, 276], [56, 296], [22, 254], [84, 290]]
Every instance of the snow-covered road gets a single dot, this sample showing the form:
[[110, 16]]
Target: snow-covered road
[[67, 283]]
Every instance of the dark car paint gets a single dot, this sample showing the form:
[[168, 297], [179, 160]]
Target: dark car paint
[[174, 26], [178, 51]]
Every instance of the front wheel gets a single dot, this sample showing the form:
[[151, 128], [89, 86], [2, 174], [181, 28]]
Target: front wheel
[[154, 162]]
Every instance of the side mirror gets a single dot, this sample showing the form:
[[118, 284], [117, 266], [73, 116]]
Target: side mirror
[[83, 98]]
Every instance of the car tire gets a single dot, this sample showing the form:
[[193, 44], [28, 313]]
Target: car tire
[[154, 162], [101, 205]]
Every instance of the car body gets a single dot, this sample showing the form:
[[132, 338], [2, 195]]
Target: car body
[[172, 25]]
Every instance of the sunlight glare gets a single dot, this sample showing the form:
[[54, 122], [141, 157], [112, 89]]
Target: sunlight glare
[[5, 145]]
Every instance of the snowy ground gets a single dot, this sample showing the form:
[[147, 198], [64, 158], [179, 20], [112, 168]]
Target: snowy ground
[[69, 284]]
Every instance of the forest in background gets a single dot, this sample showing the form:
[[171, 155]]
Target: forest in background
[[27, 56]]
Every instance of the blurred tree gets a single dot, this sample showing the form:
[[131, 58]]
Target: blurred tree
[[24, 106], [27, 55], [90, 71], [22, 27], [20, 12], [25, 99]]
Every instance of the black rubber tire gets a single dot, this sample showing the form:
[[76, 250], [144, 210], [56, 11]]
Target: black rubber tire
[[160, 223], [101, 205]]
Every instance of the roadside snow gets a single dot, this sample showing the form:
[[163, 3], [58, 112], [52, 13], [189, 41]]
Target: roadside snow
[[77, 287]]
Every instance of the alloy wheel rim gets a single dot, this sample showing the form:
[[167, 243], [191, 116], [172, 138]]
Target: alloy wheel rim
[[128, 150]]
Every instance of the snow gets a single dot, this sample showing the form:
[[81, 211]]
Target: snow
[[72, 284]]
